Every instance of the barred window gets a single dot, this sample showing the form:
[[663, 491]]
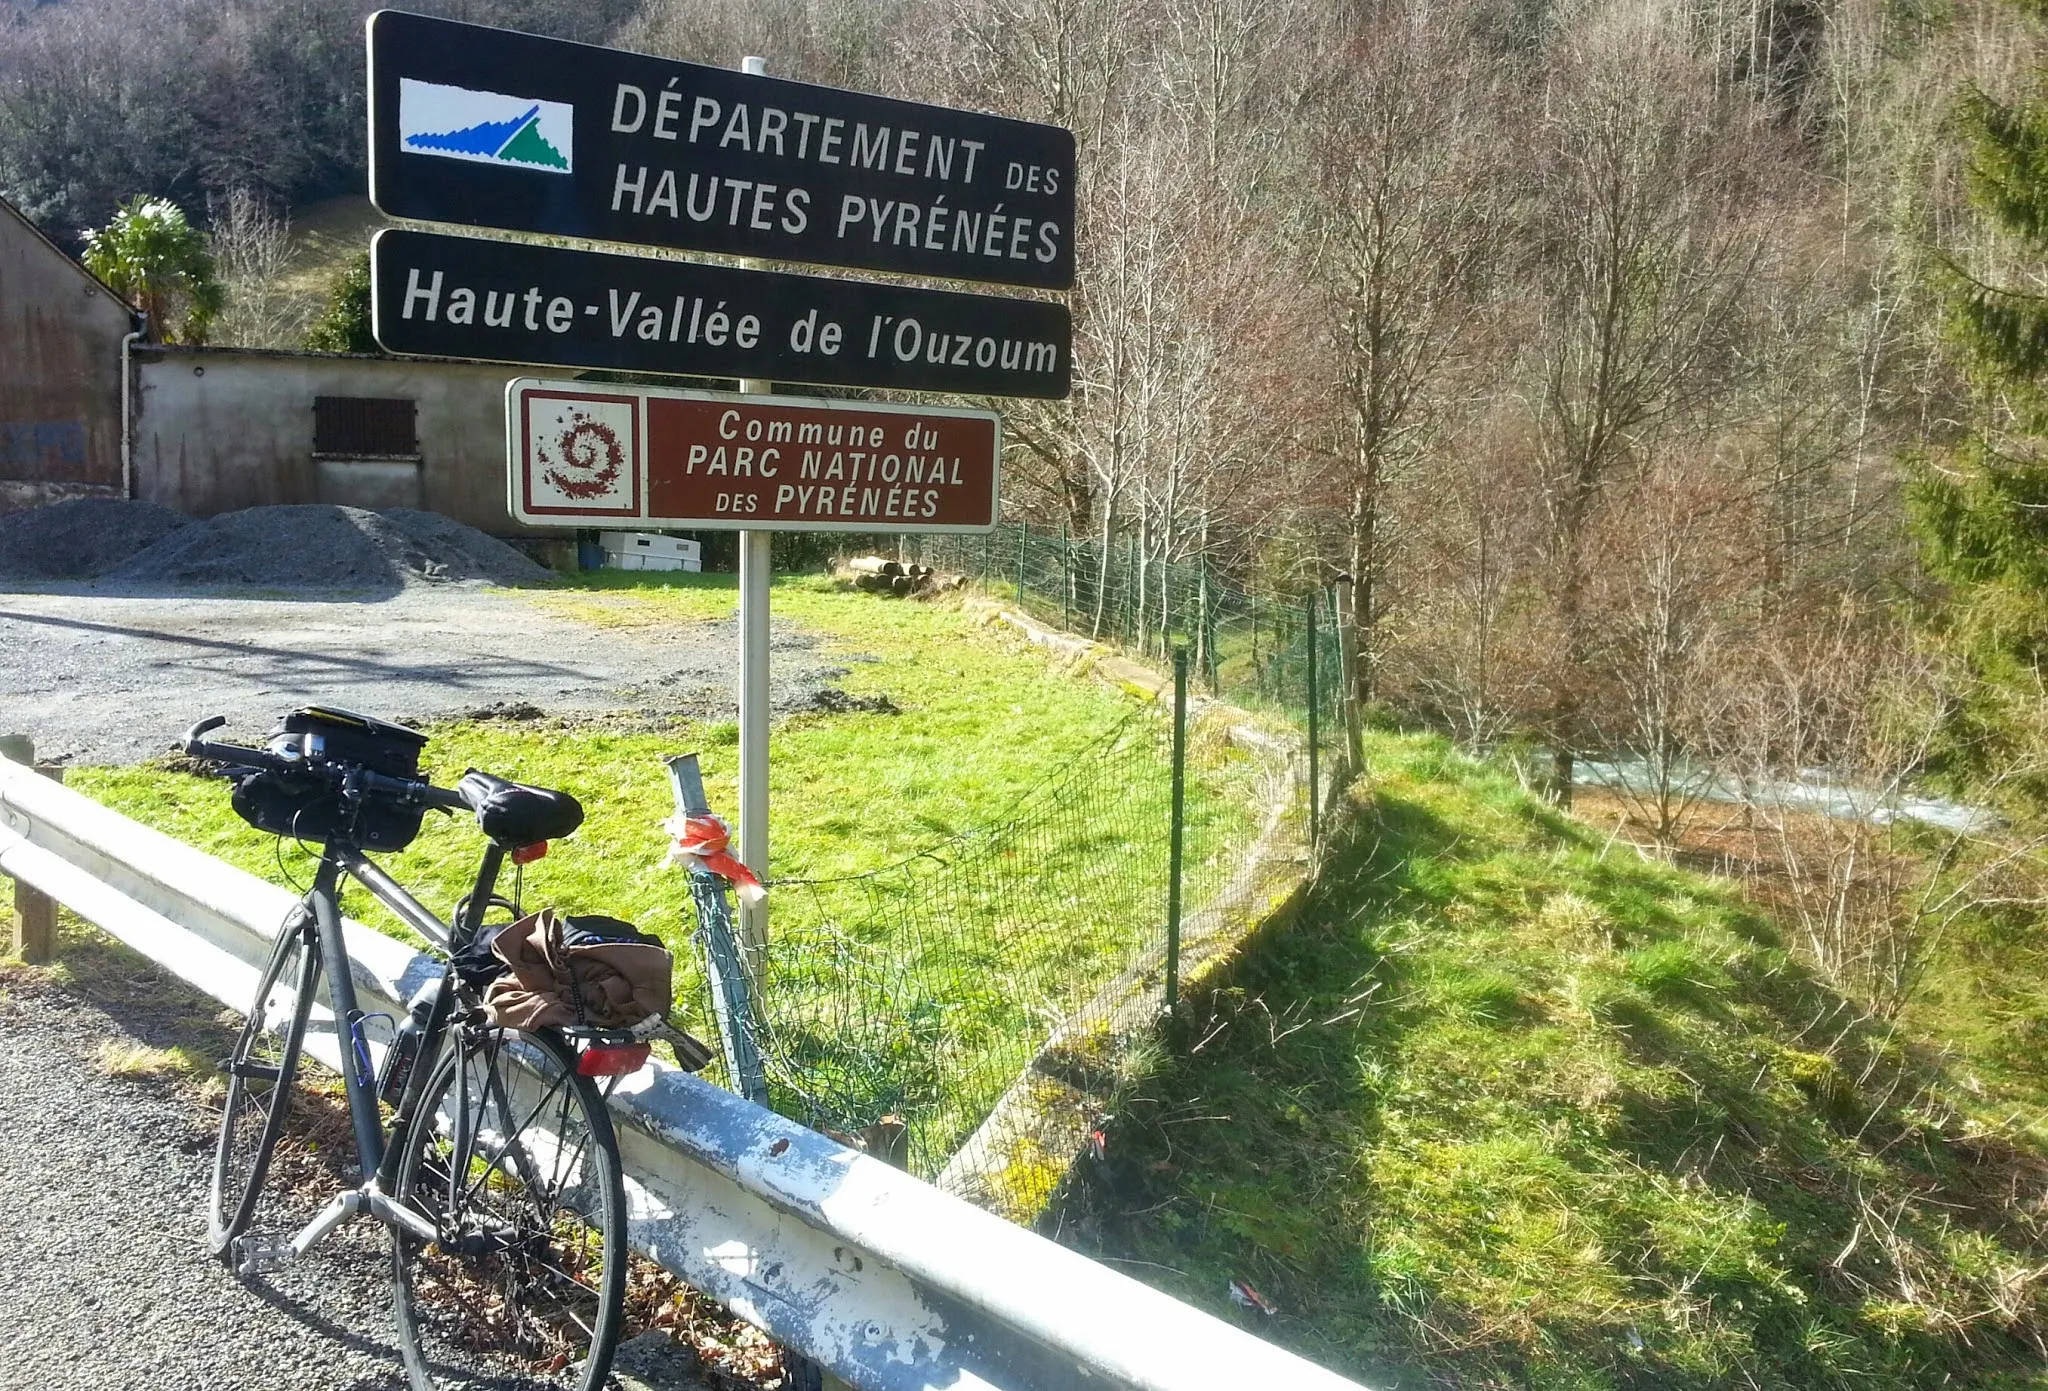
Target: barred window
[[358, 427]]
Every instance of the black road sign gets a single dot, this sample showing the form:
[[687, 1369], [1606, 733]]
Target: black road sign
[[514, 301], [490, 128]]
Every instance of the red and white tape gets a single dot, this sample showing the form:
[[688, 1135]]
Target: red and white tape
[[704, 841]]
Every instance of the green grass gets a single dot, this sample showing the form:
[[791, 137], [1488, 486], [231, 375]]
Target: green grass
[[1507, 1106], [923, 992]]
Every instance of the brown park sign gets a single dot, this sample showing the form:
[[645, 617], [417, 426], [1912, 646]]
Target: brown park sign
[[583, 455]]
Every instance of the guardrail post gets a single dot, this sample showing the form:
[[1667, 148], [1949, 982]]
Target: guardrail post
[[35, 913], [1066, 579]]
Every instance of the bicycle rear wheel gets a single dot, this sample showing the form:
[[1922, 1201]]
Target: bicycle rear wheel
[[260, 1073], [514, 1160]]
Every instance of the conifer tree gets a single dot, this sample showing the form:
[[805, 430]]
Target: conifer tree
[[344, 325], [1981, 509]]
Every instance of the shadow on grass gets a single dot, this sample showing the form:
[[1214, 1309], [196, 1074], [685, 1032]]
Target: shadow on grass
[[1504, 1105], [1210, 1172]]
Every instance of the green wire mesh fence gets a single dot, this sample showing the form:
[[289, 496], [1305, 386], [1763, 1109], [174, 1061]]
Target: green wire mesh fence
[[922, 990], [909, 1000], [1251, 650]]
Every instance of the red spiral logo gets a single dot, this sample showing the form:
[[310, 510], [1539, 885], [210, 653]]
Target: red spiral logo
[[588, 458]]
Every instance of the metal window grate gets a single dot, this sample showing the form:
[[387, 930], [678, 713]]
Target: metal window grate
[[365, 427]]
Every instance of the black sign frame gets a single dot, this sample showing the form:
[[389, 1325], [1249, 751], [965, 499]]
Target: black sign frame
[[468, 126], [438, 295]]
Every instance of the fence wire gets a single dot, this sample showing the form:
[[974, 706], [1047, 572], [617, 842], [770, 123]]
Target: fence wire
[[911, 998], [1250, 649], [923, 989]]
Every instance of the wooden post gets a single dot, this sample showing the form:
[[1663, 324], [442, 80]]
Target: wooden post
[[35, 914]]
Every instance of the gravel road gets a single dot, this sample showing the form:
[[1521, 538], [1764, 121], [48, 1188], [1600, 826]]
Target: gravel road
[[109, 1284], [94, 678]]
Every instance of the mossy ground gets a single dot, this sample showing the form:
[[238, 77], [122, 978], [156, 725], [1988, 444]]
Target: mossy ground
[[1511, 1105]]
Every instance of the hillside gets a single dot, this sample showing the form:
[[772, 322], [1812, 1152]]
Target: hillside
[[1509, 1104], [325, 237]]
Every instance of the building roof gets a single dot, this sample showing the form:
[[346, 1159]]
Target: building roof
[[67, 258], [232, 350]]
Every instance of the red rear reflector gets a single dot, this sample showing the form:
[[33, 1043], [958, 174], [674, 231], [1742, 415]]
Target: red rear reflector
[[599, 1061], [527, 854]]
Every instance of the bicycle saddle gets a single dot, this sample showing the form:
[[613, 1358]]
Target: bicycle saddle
[[514, 814]]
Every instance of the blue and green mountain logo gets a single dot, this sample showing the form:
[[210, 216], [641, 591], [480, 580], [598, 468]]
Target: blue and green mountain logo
[[484, 127]]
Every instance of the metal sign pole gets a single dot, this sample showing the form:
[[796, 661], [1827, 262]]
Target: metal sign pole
[[754, 568]]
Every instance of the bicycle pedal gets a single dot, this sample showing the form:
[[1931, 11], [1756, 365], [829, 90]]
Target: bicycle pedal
[[261, 1255]]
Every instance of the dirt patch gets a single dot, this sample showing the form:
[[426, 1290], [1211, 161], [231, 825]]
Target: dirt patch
[[832, 701], [507, 711]]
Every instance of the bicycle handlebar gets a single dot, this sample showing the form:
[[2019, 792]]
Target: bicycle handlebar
[[377, 784]]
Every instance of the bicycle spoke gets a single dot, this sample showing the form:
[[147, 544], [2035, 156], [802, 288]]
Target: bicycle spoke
[[529, 1272], [510, 1143]]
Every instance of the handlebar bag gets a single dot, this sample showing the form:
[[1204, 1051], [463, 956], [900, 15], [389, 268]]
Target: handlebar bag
[[307, 806], [327, 734]]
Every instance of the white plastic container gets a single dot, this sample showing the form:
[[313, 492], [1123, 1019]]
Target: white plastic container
[[647, 543]]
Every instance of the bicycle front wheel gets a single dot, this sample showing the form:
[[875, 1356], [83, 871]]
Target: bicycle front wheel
[[513, 1158], [260, 1073]]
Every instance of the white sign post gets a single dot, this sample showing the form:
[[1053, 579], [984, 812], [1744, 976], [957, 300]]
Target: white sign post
[[755, 562]]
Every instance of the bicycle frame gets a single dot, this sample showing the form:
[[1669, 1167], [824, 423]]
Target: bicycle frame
[[378, 1161]]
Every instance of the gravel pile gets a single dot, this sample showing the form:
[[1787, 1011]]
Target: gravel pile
[[463, 551], [323, 547], [285, 548], [81, 539]]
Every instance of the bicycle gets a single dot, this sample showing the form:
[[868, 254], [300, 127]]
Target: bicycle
[[499, 1175]]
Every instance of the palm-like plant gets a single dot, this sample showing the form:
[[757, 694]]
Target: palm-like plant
[[156, 260]]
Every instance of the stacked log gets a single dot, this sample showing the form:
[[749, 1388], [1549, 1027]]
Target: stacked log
[[874, 575]]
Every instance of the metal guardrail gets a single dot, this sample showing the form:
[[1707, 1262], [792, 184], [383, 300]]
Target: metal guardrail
[[881, 1279]]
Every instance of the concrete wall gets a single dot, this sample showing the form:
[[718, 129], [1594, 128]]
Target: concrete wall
[[218, 429], [60, 373]]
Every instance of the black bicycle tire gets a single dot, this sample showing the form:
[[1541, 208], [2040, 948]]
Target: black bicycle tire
[[222, 1231], [604, 1147]]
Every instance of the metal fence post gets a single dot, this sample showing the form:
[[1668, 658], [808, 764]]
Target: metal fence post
[[1174, 853], [1023, 550], [1205, 625], [1165, 607], [732, 1004], [1066, 578], [1258, 667], [1128, 609], [1315, 815], [35, 912]]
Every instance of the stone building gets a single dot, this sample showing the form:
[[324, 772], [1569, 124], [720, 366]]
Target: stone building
[[61, 345], [208, 430], [216, 429]]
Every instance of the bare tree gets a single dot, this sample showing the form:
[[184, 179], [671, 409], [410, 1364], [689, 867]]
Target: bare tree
[[252, 247], [1399, 225], [1834, 727], [1677, 563], [1645, 237]]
